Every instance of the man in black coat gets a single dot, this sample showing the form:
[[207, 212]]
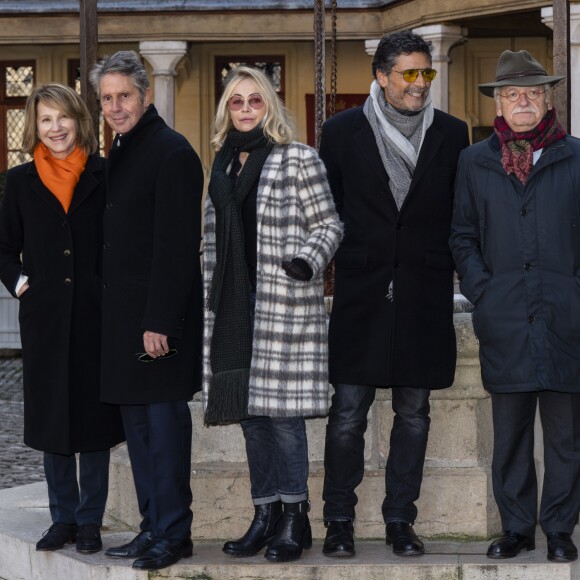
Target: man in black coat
[[517, 249], [152, 305], [391, 166]]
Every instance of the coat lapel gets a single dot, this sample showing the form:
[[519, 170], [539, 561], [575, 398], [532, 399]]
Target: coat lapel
[[431, 145], [43, 192], [367, 146], [87, 184]]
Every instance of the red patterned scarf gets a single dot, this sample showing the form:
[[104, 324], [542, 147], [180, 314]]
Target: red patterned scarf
[[517, 149]]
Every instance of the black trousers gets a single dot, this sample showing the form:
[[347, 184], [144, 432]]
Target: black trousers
[[159, 445], [344, 451], [513, 471], [77, 499]]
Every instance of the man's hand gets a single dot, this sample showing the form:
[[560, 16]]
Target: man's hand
[[155, 344]]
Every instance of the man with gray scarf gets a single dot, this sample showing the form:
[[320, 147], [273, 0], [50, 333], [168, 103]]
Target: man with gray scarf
[[391, 166]]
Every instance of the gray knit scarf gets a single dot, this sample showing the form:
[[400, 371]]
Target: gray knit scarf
[[399, 138], [230, 289]]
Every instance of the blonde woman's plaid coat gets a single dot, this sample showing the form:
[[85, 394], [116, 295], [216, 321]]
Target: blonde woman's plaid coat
[[295, 218]]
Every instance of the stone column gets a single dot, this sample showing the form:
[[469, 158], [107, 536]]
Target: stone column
[[574, 80], [444, 37], [164, 56]]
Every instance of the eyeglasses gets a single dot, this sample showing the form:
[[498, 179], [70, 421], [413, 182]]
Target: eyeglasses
[[236, 102], [513, 96], [145, 358], [411, 74]]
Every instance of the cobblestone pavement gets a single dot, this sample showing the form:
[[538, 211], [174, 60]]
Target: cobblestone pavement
[[19, 464]]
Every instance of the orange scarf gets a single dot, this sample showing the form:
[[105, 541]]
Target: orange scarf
[[60, 176]]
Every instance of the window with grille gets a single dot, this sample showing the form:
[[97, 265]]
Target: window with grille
[[16, 83], [272, 66], [105, 136]]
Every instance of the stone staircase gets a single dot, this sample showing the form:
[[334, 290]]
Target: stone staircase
[[457, 513]]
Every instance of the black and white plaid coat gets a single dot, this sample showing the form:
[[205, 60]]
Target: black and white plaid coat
[[295, 218]]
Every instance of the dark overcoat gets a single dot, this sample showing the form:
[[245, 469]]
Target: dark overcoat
[[151, 264], [392, 315], [60, 313], [517, 250]]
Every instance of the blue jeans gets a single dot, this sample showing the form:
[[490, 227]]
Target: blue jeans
[[79, 500], [344, 451], [277, 451]]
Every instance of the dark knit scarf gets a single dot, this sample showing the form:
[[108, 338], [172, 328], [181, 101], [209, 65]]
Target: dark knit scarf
[[229, 294], [517, 149]]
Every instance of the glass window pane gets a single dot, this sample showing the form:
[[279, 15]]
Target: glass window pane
[[19, 80]]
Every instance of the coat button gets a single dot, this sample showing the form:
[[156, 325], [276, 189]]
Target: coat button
[[524, 211], [67, 281], [527, 267], [109, 205], [105, 285], [66, 252], [105, 246], [531, 319]]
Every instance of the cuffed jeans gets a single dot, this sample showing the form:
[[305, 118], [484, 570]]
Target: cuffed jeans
[[77, 501], [277, 451], [344, 451], [513, 468]]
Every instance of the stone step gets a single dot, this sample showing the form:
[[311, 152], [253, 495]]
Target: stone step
[[24, 516]]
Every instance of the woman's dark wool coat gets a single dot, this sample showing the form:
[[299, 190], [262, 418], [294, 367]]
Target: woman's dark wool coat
[[60, 314], [151, 264], [399, 335]]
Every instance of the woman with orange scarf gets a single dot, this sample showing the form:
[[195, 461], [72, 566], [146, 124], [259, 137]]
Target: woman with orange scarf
[[50, 256]]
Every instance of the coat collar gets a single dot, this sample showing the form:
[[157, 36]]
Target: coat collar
[[365, 140], [490, 155], [87, 184]]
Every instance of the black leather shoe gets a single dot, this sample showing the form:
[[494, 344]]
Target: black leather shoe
[[164, 553], [134, 549], [294, 534], [262, 531], [510, 545], [89, 539], [57, 536], [402, 537], [561, 548], [339, 540]]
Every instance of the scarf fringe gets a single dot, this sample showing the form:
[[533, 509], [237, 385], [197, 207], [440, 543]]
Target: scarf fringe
[[227, 400]]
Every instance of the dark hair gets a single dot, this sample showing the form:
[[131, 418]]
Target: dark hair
[[125, 62], [393, 45]]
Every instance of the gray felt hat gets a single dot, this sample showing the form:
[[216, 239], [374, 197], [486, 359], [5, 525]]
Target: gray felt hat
[[518, 69]]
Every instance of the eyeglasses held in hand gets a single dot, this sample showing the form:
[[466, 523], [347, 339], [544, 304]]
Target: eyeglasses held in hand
[[145, 358], [411, 74], [236, 102], [513, 96]]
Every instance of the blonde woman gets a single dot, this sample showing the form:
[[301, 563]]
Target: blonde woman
[[270, 230]]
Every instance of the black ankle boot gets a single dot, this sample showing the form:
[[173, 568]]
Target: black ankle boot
[[294, 535], [262, 531]]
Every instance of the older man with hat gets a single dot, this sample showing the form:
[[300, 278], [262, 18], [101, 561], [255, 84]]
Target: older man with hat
[[516, 244]]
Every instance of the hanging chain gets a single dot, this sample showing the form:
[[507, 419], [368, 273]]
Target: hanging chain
[[332, 103], [319, 71]]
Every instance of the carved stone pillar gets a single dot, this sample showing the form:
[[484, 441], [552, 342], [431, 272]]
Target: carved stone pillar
[[164, 56], [574, 80], [444, 37]]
